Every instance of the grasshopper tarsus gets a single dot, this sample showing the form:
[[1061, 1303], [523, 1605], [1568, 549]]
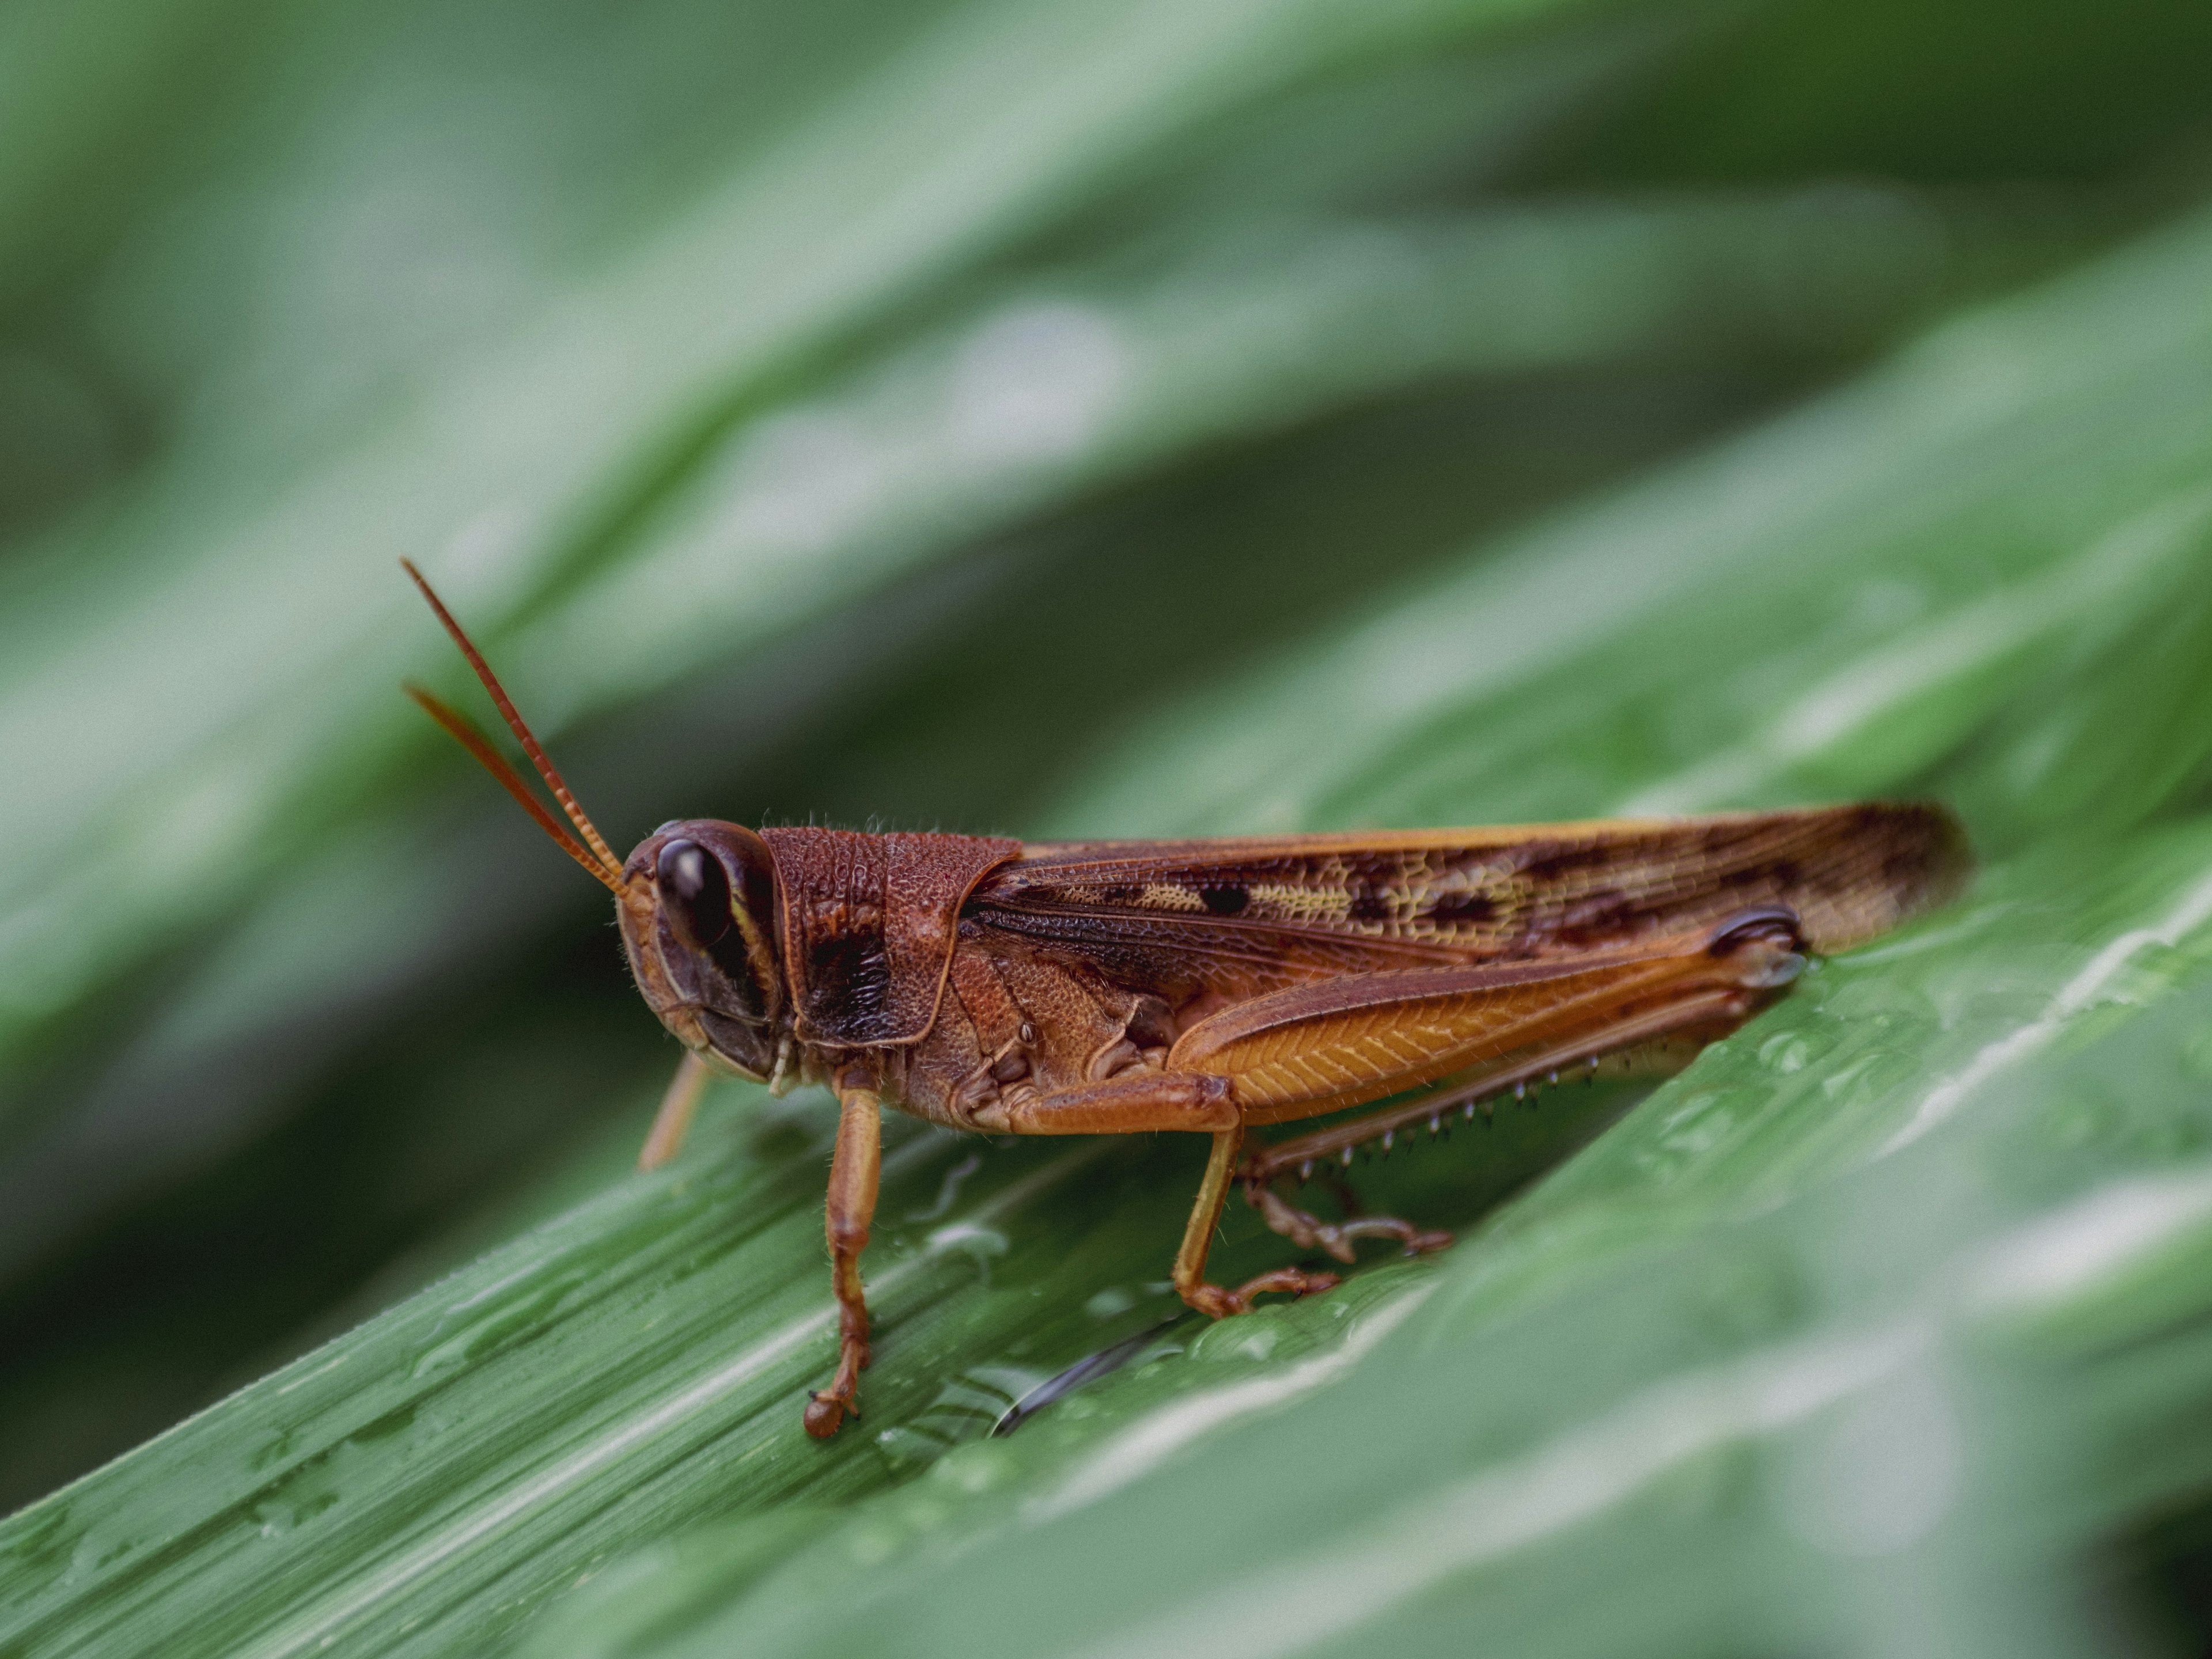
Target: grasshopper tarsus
[[1309, 1232], [1217, 1303], [826, 1412]]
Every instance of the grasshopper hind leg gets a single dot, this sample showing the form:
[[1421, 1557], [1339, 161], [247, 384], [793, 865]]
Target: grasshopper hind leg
[[1309, 1231], [1471, 1030]]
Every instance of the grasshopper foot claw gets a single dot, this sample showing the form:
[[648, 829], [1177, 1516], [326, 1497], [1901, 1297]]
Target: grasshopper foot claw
[[827, 1409], [825, 1412], [1219, 1303]]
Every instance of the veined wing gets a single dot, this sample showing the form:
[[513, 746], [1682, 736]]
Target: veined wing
[[1232, 915]]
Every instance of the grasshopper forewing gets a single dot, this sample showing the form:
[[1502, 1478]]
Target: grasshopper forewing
[[1214, 987]]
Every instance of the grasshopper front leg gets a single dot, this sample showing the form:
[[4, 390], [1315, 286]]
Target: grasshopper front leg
[[673, 1120], [854, 1172]]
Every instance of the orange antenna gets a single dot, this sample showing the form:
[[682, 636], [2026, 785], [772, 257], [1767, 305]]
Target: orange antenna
[[600, 861], [494, 762]]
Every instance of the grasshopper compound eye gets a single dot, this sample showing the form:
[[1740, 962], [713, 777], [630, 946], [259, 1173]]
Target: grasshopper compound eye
[[695, 893], [713, 886]]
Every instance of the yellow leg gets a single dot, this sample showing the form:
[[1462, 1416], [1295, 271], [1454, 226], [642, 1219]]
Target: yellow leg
[[1198, 1239]]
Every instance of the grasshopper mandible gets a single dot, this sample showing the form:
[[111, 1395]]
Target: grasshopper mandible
[[1107, 988]]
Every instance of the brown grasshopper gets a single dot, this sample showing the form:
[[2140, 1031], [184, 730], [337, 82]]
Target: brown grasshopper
[[1107, 988]]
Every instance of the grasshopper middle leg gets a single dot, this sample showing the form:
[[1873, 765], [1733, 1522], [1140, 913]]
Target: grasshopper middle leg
[[1198, 1239]]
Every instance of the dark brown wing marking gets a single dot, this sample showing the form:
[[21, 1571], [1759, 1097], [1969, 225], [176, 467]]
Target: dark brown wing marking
[[1221, 911]]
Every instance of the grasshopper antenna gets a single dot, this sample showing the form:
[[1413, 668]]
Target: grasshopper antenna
[[600, 861], [477, 743]]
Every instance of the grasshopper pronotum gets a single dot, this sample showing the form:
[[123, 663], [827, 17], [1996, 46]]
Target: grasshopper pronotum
[[1106, 987]]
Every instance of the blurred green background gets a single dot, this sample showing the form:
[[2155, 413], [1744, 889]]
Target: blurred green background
[[1115, 419]]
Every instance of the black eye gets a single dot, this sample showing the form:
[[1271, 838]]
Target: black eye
[[695, 891], [701, 910]]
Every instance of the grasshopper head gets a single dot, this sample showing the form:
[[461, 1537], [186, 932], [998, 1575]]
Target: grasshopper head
[[697, 905], [696, 900]]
